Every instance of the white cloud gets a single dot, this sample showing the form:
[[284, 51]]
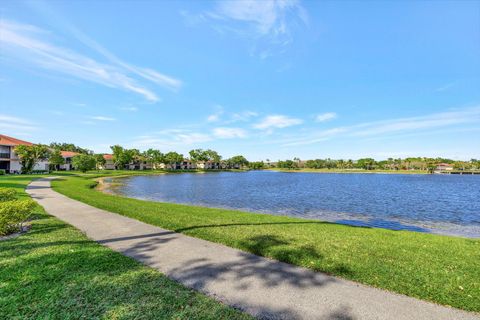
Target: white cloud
[[102, 118], [325, 117], [277, 121], [215, 117], [387, 128], [267, 17], [243, 116], [131, 109], [229, 133], [445, 87], [25, 42], [170, 138], [269, 23], [442, 119], [15, 124]]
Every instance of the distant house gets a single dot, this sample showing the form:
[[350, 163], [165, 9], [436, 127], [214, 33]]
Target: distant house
[[139, 165], [67, 156], [9, 160], [209, 165], [109, 164], [186, 164], [442, 167]]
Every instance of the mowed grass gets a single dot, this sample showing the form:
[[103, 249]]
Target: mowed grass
[[442, 269], [55, 272]]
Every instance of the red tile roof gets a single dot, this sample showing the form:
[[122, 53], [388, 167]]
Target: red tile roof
[[9, 141], [108, 156], [68, 154]]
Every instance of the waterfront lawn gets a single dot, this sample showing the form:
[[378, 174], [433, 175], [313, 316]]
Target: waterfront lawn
[[442, 269], [55, 272]]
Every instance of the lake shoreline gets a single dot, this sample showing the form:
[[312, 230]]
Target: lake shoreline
[[355, 253]]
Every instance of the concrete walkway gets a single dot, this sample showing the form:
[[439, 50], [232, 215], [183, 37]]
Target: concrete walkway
[[264, 288]]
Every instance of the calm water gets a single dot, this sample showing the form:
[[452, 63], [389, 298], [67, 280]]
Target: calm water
[[447, 204]]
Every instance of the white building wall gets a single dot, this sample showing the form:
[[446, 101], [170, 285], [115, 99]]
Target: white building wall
[[15, 166]]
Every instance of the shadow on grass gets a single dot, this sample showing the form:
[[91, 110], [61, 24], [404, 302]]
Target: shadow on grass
[[181, 230], [60, 274]]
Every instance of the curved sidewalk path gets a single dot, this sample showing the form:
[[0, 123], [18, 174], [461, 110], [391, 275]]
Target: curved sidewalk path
[[262, 287]]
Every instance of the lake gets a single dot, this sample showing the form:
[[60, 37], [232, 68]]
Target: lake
[[444, 204]]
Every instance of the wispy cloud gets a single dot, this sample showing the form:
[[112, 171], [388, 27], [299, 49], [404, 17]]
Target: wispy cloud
[[325, 117], [170, 138], [277, 122], [27, 42], [215, 117], [131, 109], [267, 17], [15, 124], [102, 118], [267, 20], [445, 87], [386, 128], [229, 133], [243, 116]]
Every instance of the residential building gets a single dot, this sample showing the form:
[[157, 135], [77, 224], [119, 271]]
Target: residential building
[[209, 165], [9, 160], [186, 164], [67, 156], [442, 167], [109, 164]]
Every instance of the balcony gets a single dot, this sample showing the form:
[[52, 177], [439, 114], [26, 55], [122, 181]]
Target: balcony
[[4, 155]]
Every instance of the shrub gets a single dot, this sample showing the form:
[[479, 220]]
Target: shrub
[[2, 172], [13, 213], [7, 194]]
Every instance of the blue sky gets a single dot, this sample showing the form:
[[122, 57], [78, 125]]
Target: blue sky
[[264, 79]]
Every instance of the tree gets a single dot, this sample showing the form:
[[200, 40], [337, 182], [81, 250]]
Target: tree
[[84, 162], [172, 158], [158, 158], [30, 155], [287, 164], [132, 156], [118, 156], [197, 155], [257, 165], [213, 155], [237, 161], [366, 163], [55, 159], [99, 161], [68, 147], [154, 157]]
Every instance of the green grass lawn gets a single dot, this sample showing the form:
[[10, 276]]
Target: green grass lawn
[[442, 269], [55, 272]]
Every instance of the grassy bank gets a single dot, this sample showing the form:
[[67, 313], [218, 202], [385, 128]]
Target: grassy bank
[[350, 171], [55, 272], [442, 269]]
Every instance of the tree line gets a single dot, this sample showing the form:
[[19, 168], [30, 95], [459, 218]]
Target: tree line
[[412, 163], [124, 157]]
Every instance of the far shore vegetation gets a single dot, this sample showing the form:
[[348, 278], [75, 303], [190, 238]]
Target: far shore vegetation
[[437, 268], [123, 158]]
